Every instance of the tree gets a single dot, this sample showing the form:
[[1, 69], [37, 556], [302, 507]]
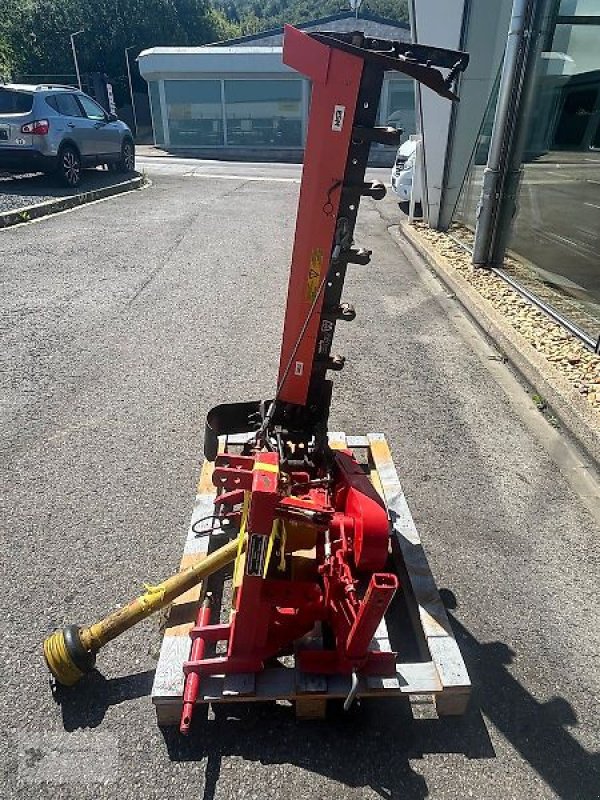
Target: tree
[[39, 43], [273, 13]]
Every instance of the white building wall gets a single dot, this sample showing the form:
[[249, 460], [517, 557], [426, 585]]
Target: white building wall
[[437, 23], [450, 130]]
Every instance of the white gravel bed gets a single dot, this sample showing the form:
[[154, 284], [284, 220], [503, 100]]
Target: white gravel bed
[[565, 351]]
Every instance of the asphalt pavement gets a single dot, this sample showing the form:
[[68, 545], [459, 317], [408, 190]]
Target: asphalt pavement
[[122, 323]]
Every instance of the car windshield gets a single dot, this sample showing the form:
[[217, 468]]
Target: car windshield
[[13, 102]]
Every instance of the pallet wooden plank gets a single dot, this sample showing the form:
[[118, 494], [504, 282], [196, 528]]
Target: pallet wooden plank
[[434, 620], [279, 683], [449, 661], [452, 704], [357, 441], [337, 440], [307, 682], [381, 642], [444, 676], [311, 707], [420, 677], [175, 648], [205, 484], [239, 685], [273, 683], [168, 678]]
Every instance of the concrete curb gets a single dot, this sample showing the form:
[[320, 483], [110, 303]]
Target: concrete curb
[[573, 411], [20, 215]]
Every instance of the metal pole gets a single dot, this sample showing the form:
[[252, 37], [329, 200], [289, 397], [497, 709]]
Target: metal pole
[[73, 35], [506, 107], [135, 124], [513, 169]]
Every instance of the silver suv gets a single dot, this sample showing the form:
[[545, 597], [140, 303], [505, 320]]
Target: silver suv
[[60, 130]]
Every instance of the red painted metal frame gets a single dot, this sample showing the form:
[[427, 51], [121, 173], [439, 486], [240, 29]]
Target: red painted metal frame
[[271, 613], [335, 77], [346, 587]]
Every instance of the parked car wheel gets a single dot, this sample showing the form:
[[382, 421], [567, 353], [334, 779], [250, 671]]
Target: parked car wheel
[[69, 166], [127, 161]]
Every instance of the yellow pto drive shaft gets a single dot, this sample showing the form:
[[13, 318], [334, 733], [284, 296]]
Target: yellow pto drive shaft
[[71, 652]]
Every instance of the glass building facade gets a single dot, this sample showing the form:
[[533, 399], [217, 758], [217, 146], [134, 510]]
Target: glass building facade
[[194, 114], [554, 244], [240, 95], [258, 112]]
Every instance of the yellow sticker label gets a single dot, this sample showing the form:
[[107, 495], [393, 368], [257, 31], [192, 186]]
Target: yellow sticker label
[[314, 274]]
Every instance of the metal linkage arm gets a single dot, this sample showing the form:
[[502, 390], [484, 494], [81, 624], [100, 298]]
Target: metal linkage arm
[[347, 72], [417, 60]]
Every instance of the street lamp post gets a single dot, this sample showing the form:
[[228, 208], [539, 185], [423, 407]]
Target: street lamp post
[[355, 6], [135, 123], [73, 35]]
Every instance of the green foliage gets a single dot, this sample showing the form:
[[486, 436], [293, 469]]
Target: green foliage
[[10, 13], [34, 34], [36, 41], [257, 15], [42, 39]]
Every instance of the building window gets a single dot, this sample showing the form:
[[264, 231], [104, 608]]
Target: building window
[[194, 113], [155, 108], [264, 113], [554, 246], [400, 111], [555, 237]]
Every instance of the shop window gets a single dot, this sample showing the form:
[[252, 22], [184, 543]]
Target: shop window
[[264, 113], [194, 113], [400, 111], [554, 245], [156, 110]]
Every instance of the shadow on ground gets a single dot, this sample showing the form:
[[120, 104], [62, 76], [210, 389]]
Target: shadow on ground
[[372, 745], [19, 191]]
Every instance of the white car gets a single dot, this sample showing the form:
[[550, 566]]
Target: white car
[[403, 171]]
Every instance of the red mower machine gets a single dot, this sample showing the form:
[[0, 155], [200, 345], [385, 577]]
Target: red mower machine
[[313, 532]]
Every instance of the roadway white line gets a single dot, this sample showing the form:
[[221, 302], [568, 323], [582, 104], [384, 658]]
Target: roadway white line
[[593, 234], [583, 249], [591, 180], [591, 205], [240, 177], [564, 239]]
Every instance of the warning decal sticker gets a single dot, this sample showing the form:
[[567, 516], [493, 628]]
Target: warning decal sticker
[[314, 274]]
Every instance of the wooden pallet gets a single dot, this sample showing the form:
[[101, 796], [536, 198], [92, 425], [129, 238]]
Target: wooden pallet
[[435, 673]]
